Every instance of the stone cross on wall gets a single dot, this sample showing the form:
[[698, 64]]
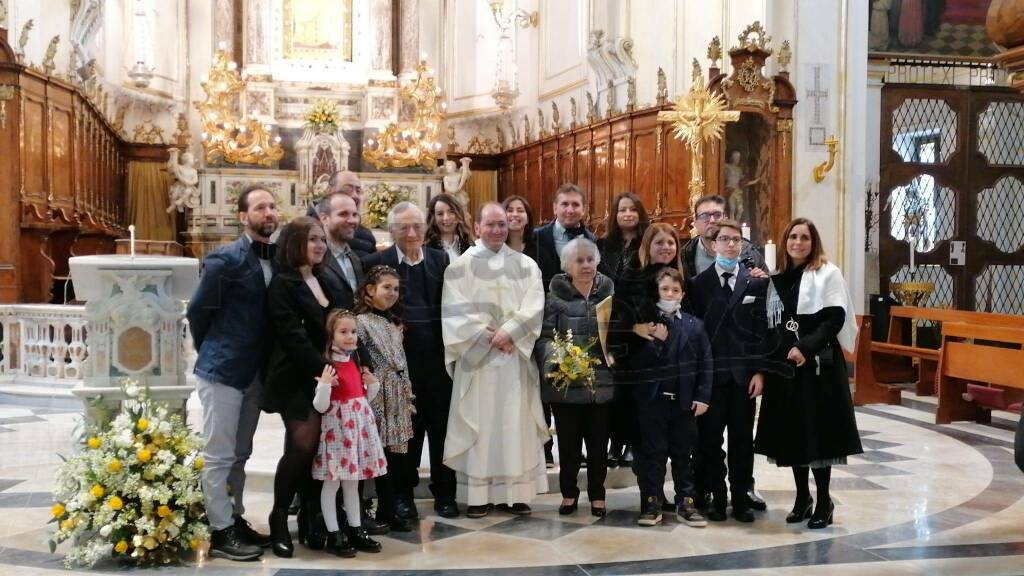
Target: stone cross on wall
[[818, 94]]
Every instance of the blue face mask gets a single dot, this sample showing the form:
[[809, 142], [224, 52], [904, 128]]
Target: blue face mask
[[726, 263]]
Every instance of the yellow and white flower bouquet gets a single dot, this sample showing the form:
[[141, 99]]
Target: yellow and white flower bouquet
[[571, 364], [381, 199], [133, 491]]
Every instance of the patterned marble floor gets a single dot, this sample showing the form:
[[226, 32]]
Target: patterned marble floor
[[922, 499]]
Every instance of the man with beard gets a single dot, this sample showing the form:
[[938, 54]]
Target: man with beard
[[339, 214], [363, 243], [228, 319]]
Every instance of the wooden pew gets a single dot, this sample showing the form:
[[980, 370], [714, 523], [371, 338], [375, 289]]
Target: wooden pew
[[976, 354], [893, 359], [867, 389]]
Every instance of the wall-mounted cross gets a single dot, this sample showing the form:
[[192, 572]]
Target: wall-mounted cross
[[817, 94]]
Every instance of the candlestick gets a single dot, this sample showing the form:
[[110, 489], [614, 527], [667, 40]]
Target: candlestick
[[769, 256], [745, 230], [911, 242], [131, 231]]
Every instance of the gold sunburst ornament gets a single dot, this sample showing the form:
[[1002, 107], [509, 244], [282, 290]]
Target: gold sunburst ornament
[[699, 116]]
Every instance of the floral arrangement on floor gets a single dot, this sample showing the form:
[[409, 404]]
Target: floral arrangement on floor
[[381, 199], [323, 116], [572, 364], [133, 492]]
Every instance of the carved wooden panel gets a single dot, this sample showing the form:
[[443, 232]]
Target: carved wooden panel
[[33, 136]]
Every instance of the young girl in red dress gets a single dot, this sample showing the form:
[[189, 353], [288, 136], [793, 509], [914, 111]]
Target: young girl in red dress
[[350, 447]]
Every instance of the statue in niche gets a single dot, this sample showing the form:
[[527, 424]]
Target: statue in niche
[[736, 184], [184, 192], [572, 112], [454, 179]]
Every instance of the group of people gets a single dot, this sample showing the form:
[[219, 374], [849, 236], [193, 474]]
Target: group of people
[[448, 334]]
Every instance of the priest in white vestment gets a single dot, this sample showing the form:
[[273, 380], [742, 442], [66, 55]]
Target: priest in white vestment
[[492, 309]]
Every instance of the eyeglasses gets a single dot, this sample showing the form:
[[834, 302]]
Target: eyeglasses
[[707, 216], [729, 239], [405, 228]]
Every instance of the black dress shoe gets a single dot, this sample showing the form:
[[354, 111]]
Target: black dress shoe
[[373, 527], [517, 509], [250, 536], [627, 457], [822, 516], [802, 509], [406, 509], [755, 502], [281, 540], [598, 512], [339, 545], [742, 514], [716, 514], [227, 543], [446, 509], [362, 542], [566, 509], [402, 524], [478, 511]]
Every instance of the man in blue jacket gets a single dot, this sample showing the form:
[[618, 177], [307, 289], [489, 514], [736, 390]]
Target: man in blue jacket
[[227, 317]]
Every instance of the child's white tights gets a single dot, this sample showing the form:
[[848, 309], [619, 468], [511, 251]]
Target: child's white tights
[[350, 495]]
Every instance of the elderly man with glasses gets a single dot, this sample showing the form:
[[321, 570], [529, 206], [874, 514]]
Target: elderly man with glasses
[[699, 253], [422, 275]]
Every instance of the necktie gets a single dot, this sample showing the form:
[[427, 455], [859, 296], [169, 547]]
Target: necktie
[[572, 233], [726, 289], [263, 250]]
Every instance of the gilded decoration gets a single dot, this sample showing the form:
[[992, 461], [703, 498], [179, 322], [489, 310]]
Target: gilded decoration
[[415, 142], [753, 49], [715, 51], [317, 30]]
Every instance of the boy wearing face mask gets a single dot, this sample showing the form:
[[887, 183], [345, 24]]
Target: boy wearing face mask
[[732, 305], [673, 390]]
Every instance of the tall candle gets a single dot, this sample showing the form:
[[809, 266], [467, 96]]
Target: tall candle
[[131, 231], [911, 254], [769, 256], [745, 230]]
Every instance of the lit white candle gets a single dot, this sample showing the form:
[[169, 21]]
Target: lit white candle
[[745, 230], [131, 231], [911, 242], [769, 256]]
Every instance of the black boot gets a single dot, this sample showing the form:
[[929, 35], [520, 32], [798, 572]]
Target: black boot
[[362, 541], [228, 543], [280, 539], [312, 531], [338, 544]]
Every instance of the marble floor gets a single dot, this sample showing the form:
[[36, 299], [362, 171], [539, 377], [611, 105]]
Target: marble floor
[[922, 499]]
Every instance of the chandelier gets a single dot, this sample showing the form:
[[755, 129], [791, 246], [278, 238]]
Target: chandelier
[[414, 143], [237, 141], [506, 85]]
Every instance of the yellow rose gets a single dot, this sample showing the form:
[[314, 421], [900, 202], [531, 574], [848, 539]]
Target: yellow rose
[[143, 455], [194, 543], [115, 503], [142, 424], [67, 524], [198, 463], [57, 510], [149, 543], [114, 466], [163, 511], [97, 491], [94, 442], [121, 547]]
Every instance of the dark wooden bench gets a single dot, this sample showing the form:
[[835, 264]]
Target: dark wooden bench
[[977, 355], [894, 360], [866, 388]]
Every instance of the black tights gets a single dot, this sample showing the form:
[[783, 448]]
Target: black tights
[[294, 469], [822, 478]]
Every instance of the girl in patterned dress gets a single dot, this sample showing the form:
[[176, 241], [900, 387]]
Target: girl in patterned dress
[[380, 332], [350, 448]]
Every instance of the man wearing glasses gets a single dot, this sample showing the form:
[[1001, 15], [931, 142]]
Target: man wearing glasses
[[731, 302], [699, 253]]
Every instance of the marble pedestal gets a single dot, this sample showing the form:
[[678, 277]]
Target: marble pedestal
[[135, 314]]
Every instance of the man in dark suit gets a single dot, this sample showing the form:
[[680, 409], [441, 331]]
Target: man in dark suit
[[570, 208], [732, 305], [346, 182], [421, 270], [339, 214], [227, 315]]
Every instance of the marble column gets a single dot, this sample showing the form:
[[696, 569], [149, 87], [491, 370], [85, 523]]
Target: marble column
[[256, 32]]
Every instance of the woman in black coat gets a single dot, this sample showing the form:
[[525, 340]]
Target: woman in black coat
[[298, 303], [619, 248], [634, 314], [581, 413], [807, 419]]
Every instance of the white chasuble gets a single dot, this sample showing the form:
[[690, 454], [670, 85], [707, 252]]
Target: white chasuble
[[496, 427]]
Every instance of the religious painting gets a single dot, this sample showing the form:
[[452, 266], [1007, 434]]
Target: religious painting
[[746, 174], [937, 27], [317, 30]]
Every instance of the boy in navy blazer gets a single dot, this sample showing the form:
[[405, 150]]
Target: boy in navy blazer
[[670, 395]]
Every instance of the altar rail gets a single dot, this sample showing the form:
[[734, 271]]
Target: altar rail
[[43, 353]]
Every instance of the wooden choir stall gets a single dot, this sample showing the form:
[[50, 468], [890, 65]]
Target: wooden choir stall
[[63, 179]]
